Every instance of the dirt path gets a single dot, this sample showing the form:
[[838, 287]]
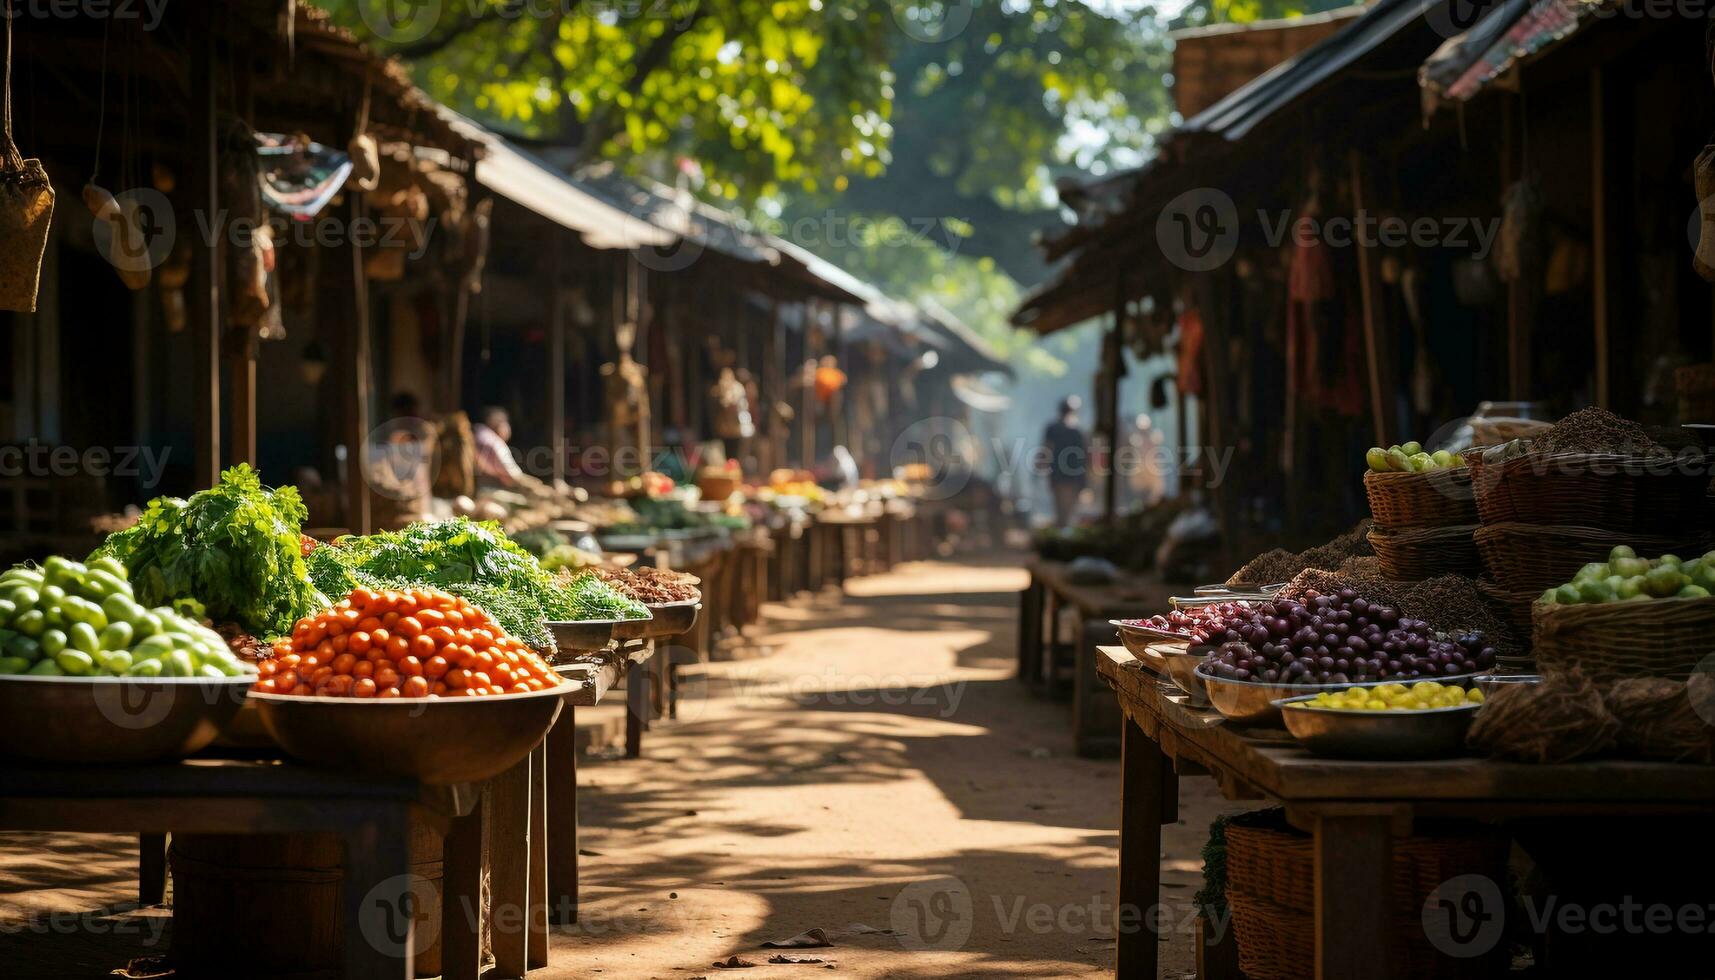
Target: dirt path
[[874, 771]]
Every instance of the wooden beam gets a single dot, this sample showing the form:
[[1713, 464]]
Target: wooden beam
[[557, 362], [203, 300], [1367, 289], [357, 514], [1601, 268], [1518, 296]]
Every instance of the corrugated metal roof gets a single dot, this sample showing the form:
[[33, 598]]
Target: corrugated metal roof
[[1233, 117], [1514, 32], [530, 182]]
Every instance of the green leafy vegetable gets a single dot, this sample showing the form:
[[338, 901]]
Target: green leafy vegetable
[[235, 548], [476, 561]]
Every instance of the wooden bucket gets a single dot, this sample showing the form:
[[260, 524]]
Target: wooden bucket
[[269, 905]]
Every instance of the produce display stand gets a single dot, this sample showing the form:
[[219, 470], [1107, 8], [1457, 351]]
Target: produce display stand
[[226, 796], [1353, 809], [1045, 660], [848, 542]]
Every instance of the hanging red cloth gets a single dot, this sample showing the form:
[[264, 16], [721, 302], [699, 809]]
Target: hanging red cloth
[[1322, 329], [1191, 352]]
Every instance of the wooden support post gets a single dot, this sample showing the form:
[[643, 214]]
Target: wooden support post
[[203, 298], [557, 362], [509, 869], [1144, 771], [563, 816], [1367, 290], [461, 898], [1354, 900], [1518, 291], [151, 869], [1600, 269], [357, 516], [1114, 362]]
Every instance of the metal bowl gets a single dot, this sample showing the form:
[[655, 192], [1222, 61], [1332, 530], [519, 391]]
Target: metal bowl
[[1257, 702], [581, 635], [1182, 670], [1492, 684], [435, 740], [670, 619], [1433, 733], [114, 720]]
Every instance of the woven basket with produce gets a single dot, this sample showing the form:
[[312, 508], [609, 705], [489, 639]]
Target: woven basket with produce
[[1270, 888], [1528, 558], [1420, 553], [1593, 469], [1629, 617], [1409, 488]]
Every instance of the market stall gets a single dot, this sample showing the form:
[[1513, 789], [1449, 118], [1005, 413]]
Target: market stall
[[1512, 640]]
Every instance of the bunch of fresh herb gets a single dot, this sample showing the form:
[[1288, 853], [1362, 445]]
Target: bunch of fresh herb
[[586, 595], [234, 547]]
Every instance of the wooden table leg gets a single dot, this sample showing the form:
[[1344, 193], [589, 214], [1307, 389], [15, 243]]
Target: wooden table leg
[[636, 706], [563, 818], [461, 898], [379, 899], [1354, 897], [1144, 772], [1095, 711], [1052, 648], [536, 950], [1030, 633], [509, 869], [151, 869]]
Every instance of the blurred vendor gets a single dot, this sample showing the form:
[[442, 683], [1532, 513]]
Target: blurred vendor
[[495, 465]]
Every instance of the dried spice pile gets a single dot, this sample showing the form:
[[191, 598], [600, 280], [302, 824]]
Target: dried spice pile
[[1281, 565], [1449, 603], [652, 586], [1596, 430]]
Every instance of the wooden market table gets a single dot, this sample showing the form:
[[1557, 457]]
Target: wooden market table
[[372, 814], [528, 817], [1044, 659], [1353, 809]]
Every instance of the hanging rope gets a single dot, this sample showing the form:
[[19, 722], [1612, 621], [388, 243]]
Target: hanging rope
[[100, 112]]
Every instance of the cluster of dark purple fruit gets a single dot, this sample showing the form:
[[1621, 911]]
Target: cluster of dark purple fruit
[[1340, 638], [1201, 624]]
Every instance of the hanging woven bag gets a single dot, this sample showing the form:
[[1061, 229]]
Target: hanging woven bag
[[26, 205]]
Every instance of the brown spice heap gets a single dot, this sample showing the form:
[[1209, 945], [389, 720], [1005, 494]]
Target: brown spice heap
[[1597, 430], [1281, 565], [652, 586], [1448, 603], [1665, 719], [1559, 720]]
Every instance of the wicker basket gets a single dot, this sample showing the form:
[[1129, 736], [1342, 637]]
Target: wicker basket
[[1511, 605], [1611, 641], [1420, 553], [1438, 498], [1271, 882], [1529, 558], [1502, 430], [1621, 494]]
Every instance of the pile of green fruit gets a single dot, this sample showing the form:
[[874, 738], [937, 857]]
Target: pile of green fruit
[[1410, 458], [1625, 576], [66, 619]]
